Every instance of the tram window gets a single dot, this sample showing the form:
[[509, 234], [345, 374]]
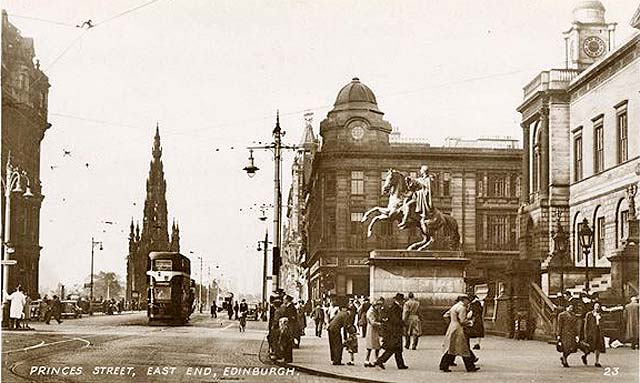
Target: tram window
[[163, 265], [162, 292]]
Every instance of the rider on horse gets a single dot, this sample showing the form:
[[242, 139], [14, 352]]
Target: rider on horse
[[420, 197]]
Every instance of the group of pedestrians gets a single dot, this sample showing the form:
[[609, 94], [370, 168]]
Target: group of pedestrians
[[579, 327], [287, 322]]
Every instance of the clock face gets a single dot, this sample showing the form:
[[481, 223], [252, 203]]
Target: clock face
[[357, 129], [593, 46]]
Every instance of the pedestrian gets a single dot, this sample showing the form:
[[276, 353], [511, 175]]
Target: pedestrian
[[631, 322], [334, 330], [362, 316], [302, 320], [476, 330], [374, 323], [244, 309], [214, 310], [275, 301], [318, 318], [55, 310], [236, 308], [456, 342], [285, 340], [392, 329], [27, 312], [230, 310], [45, 306], [16, 309], [593, 335], [411, 318], [351, 344], [567, 333]]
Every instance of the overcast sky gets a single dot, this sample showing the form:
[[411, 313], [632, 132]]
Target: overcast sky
[[213, 73]]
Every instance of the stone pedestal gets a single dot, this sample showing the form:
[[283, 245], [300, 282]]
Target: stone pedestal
[[436, 277]]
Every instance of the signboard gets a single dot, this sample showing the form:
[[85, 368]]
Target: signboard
[[163, 265], [9, 262]]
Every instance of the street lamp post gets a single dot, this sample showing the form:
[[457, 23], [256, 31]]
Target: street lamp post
[[200, 287], [560, 248], [11, 185], [265, 248], [251, 170], [586, 240], [94, 243]]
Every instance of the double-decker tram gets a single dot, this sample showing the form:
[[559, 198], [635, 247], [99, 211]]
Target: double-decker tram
[[170, 294]]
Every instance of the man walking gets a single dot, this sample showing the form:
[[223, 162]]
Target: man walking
[[214, 310], [334, 329], [55, 310], [392, 334], [455, 341], [318, 319], [362, 316], [411, 318]]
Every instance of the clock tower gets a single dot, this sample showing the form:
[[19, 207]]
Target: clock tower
[[355, 122], [590, 37]]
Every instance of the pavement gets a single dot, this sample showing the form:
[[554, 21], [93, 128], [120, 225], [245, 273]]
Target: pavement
[[501, 360]]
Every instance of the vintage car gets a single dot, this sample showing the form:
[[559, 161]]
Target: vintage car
[[252, 311], [70, 309]]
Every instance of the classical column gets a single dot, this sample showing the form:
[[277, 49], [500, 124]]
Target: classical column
[[526, 150], [544, 151]]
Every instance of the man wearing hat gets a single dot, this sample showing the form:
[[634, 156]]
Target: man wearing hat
[[392, 329], [456, 342], [339, 322]]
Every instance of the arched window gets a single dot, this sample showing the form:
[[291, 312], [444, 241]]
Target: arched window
[[622, 221], [598, 234], [575, 239], [535, 159]]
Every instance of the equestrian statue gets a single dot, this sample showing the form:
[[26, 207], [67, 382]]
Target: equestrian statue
[[410, 202]]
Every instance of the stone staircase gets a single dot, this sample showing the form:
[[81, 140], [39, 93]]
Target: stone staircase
[[599, 284]]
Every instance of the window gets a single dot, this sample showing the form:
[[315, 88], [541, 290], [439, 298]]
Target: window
[[623, 141], [385, 228], [357, 183], [535, 158], [356, 231], [446, 181], [497, 185], [435, 184], [330, 184], [577, 158], [600, 237], [623, 232], [577, 225], [330, 228], [497, 236], [598, 146], [383, 179]]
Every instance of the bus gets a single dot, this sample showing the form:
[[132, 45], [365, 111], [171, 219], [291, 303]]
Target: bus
[[223, 300], [170, 294]]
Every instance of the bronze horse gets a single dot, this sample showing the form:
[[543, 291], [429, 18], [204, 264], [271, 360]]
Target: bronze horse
[[396, 187]]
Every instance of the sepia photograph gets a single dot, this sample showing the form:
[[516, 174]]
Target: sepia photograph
[[320, 191]]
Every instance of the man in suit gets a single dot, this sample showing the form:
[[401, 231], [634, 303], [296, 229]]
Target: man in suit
[[362, 316], [392, 327], [318, 318], [411, 318], [339, 322]]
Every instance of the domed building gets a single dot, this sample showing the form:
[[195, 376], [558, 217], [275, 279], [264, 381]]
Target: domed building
[[357, 148]]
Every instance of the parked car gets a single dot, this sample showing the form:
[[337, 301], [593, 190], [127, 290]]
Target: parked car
[[252, 311], [70, 309]]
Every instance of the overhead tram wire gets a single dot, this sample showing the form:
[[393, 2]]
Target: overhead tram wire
[[42, 20], [125, 12]]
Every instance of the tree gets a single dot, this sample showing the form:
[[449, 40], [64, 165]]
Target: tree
[[105, 285]]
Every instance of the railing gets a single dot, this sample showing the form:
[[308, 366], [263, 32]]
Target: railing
[[544, 308], [552, 79]]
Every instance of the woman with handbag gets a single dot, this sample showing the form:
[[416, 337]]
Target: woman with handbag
[[593, 334], [567, 334]]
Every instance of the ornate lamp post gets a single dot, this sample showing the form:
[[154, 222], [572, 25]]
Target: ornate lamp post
[[251, 170], [559, 248], [94, 243], [586, 240], [11, 185]]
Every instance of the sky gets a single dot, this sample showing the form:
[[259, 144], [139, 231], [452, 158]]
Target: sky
[[212, 74]]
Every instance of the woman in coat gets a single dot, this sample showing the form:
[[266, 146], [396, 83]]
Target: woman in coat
[[372, 337], [567, 331], [476, 330], [455, 340], [593, 334]]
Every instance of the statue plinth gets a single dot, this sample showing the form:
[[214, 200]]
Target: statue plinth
[[436, 277]]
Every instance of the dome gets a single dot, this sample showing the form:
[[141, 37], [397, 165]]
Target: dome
[[355, 95], [589, 11]]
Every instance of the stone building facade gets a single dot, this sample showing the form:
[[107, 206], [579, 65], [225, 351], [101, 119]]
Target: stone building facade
[[154, 235], [581, 155], [25, 92], [478, 186]]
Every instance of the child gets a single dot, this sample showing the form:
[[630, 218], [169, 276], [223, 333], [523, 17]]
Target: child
[[352, 342], [285, 340]]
